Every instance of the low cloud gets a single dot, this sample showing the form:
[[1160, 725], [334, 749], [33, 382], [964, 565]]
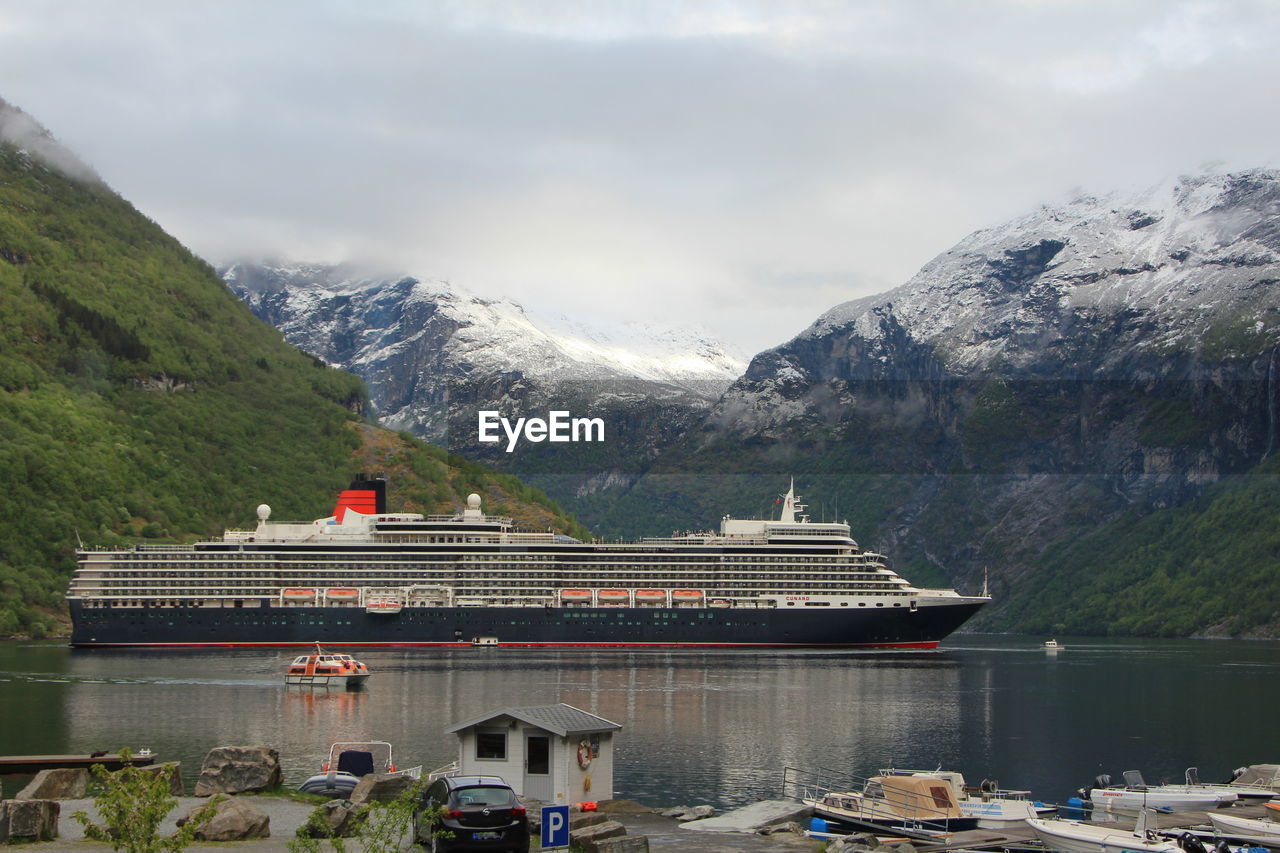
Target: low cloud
[[746, 165]]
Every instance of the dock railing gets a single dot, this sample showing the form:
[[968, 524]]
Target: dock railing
[[812, 784]]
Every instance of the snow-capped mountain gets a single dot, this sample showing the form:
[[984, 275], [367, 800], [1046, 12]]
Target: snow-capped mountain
[[1172, 284], [434, 354], [1186, 256]]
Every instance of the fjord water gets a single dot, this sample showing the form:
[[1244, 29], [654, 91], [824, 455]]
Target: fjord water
[[712, 727]]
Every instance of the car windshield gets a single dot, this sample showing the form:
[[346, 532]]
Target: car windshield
[[483, 796]]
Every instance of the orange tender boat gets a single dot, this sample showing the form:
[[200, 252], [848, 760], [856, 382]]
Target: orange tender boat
[[323, 669]]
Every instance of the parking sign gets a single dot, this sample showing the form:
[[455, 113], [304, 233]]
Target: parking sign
[[555, 827]]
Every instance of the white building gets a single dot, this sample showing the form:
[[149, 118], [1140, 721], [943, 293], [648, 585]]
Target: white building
[[553, 753]]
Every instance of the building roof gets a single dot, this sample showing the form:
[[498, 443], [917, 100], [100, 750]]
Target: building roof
[[559, 719]]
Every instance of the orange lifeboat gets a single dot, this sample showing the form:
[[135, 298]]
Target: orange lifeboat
[[341, 593], [687, 597], [575, 595], [298, 594], [651, 596], [613, 597], [322, 669]]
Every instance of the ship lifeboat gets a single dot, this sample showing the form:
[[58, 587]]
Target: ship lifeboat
[[613, 597], [687, 597], [341, 593], [651, 596], [299, 594], [324, 669], [575, 596]]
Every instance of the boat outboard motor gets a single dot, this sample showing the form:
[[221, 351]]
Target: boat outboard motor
[[1222, 846], [1190, 844]]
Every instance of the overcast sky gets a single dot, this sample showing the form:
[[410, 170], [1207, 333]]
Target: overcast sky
[[741, 166]]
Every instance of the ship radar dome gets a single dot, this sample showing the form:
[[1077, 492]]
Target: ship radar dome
[[473, 501], [264, 512]]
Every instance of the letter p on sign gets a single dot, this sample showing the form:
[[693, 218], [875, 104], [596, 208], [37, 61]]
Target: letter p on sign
[[555, 827]]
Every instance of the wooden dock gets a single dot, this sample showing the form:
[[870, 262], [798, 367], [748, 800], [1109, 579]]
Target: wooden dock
[[29, 765]]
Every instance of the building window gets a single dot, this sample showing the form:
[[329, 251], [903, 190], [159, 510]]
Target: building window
[[491, 744]]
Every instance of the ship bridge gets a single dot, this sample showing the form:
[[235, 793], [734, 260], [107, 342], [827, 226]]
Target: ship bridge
[[793, 525]]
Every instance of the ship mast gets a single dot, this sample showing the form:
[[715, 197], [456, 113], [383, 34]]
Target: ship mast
[[789, 505]]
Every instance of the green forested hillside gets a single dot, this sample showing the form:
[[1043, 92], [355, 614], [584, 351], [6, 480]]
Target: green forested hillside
[[1206, 568], [139, 399]]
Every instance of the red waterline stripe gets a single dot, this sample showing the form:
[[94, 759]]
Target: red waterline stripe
[[932, 644]]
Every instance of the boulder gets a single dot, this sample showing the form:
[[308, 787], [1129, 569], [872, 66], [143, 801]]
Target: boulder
[[340, 819], [581, 820], [683, 813], [29, 820], [239, 769], [380, 787], [68, 783], [587, 837], [776, 828], [862, 842], [171, 770], [623, 844], [233, 820]]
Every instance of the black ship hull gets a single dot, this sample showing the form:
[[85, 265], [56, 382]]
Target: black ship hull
[[887, 628]]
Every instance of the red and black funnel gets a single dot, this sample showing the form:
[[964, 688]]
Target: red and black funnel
[[366, 495]]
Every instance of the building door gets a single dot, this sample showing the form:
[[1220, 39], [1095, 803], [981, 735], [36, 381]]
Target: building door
[[537, 767]]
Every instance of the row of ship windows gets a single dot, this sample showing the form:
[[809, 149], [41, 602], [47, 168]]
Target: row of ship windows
[[662, 617], [149, 560], [416, 578], [284, 570], [270, 591], [256, 598]]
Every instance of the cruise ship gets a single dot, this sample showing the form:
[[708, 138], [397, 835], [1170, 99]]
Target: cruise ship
[[367, 577]]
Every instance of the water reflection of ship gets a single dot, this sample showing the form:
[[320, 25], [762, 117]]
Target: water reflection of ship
[[345, 702]]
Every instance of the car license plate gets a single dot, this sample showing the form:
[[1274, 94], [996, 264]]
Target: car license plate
[[486, 836]]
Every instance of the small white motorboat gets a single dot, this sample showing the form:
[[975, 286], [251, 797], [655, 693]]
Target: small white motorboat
[[1135, 795], [348, 763], [1258, 776], [1242, 792], [1073, 836], [323, 669], [900, 804], [993, 806], [1052, 646], [1255, 831]]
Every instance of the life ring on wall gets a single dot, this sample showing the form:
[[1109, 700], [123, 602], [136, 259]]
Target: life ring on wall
[[584, 754]]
